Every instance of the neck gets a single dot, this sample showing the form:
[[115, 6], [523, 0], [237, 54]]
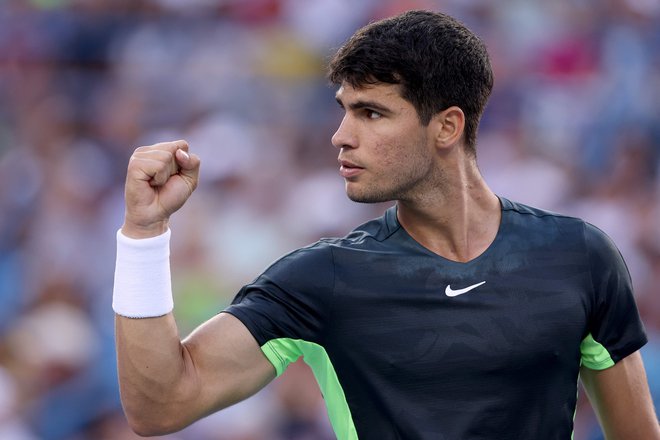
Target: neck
[[458, 218]]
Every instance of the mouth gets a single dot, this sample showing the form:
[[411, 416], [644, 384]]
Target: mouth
[[349, 169]]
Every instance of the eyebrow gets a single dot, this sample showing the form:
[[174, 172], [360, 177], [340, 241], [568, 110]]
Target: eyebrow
[[360, 104]]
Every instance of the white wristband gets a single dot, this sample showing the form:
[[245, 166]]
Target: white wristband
[[143, 286]]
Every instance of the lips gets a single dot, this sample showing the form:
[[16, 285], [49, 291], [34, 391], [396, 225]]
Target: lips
[[349, 169]]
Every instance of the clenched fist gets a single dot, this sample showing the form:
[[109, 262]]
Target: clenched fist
[[159, 180]]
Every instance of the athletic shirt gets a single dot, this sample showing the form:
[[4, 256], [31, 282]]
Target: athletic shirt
[[406, 344]]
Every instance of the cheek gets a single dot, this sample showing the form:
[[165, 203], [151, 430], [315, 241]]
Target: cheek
[[389, 158], [400, 152], [386, 153], [392, 144]]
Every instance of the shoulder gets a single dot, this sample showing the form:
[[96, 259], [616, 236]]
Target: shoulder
[[598, 242], [363, 237], [571, 232], [315, 262], [604, 257], [309, 266], [373, 231], [536, 223], [530, 213]]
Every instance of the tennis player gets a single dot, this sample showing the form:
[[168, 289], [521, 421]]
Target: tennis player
[[458, 314]]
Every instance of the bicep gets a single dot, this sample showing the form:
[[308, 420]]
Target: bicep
[[226, 361], [621, 398]]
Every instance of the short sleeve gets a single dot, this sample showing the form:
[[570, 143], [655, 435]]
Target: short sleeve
[[289, 301], [615, 329]]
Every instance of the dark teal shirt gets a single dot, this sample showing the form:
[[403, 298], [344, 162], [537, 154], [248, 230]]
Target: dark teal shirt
[[406, 344]]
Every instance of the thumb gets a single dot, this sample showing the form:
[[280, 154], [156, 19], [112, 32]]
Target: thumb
[[182, 158], [188, 165]]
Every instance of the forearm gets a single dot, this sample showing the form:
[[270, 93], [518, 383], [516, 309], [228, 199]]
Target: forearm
[[153, 365]]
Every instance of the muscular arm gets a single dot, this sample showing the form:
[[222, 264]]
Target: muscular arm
[[165, 383], [621, 398]]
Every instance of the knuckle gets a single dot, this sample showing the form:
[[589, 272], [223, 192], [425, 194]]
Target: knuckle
[[163, 147]]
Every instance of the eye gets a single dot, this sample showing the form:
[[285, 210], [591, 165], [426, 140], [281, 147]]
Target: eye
[[372, 114]]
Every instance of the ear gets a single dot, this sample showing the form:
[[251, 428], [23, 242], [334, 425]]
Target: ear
[[448, 125]]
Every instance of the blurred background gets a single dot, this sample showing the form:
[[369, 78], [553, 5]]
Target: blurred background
[[573, 126]]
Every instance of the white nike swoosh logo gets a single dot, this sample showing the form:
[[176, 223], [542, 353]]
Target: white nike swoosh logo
[[451, 292]]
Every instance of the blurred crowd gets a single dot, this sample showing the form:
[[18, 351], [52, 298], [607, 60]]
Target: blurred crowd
[[573, 126]]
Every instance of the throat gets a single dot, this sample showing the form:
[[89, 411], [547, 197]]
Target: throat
[[460, 249], [456, 234]]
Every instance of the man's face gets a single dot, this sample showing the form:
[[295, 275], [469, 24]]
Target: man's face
[[385, 152]]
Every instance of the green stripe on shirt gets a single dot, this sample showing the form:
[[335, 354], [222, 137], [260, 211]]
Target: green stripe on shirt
[[594, 355], [283, 351]]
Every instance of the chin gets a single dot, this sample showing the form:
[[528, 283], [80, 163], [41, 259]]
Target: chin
[[367, 197]]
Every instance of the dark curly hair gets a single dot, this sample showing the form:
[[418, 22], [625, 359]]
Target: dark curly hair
[[438, 62]]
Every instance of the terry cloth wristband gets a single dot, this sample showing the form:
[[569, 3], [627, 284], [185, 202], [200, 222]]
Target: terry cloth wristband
[[143, 286]]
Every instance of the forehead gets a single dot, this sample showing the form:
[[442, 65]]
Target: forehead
[[378, 92]]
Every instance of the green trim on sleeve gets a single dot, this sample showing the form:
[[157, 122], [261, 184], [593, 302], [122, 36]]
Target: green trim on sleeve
[[594, 355], [273, 354], [281, 352]]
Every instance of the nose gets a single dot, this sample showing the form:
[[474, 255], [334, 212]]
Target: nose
[[344, 137]]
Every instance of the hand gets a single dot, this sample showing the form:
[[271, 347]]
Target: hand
[[159, 180]]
